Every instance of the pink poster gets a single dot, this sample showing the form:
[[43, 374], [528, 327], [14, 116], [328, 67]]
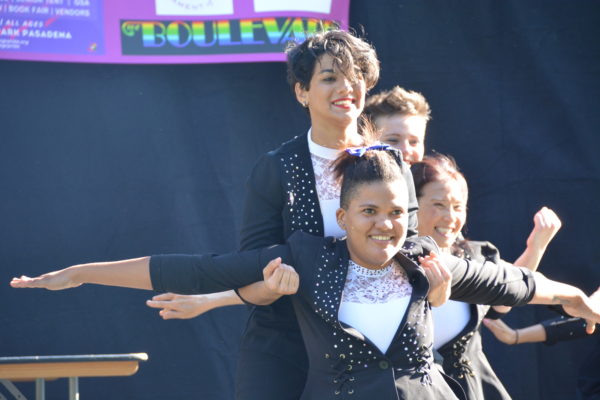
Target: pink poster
[[161, 31]]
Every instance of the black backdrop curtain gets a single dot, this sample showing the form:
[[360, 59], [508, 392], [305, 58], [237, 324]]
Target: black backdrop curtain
[[103, 162]]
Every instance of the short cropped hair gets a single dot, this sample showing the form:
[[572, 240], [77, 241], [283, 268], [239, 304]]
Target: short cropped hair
[[397, 101], [352, 56]]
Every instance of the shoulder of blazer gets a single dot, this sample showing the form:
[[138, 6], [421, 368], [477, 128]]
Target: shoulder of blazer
[[414, 247], [481, 251], [298, 144], [306, 245], [408, 256]]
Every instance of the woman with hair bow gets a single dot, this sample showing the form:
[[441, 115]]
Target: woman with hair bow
[[361, 302]]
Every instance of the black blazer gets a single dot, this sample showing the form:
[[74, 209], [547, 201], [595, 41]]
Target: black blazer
[[344, 363], [281, 198], [463, 356]]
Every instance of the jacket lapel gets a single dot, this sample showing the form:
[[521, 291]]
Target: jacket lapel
[[333, 268], [420, 287], [330, 278], [300, 188]]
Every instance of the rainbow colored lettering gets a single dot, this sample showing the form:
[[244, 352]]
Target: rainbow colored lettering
[[253, 35]]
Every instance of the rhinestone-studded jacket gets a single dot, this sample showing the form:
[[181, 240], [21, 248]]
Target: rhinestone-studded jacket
[[281, 198], [343, 364]]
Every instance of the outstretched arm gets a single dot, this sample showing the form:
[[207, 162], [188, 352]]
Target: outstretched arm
[[133, 273], [505, 284], [186, 274], [550, 331], [546, 225], [572, 300], [262, 226], [185, 306]]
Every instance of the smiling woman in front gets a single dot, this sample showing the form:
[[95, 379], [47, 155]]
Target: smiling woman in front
[[346, 286]]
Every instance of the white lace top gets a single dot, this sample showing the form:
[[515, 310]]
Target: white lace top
[[328, 188], [375, 301]]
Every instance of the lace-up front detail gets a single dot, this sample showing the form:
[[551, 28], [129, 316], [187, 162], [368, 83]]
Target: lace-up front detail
[[368, 286]]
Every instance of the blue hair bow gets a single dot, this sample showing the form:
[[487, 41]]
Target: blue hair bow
[[360, 151]]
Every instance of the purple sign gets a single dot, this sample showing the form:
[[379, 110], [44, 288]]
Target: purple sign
[[161, 31]]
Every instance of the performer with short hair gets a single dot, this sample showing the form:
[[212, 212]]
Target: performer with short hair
[[401, 118], [293, 188]]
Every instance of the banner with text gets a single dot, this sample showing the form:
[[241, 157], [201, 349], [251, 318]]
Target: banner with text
[[161, 31]]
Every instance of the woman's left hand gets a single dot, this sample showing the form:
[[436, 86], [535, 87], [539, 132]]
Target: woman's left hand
[[57, 280], [439, 277], [280, 279], [587, 308]]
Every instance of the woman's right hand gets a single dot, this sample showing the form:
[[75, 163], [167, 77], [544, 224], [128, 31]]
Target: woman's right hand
[[503, 332], [439, 277], [179, 306], [57, 280]]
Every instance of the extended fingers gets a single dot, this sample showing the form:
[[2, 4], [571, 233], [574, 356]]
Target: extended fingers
[[158, 304], [495, 324], [27, 282], [22, 282], [170, 314], [590, 326], [501, 331], [164, 297]]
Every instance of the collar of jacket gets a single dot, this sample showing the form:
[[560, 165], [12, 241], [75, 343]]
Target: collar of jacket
[[333, 269]]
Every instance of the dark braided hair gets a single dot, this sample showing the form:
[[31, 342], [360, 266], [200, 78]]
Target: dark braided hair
[[373, 166]]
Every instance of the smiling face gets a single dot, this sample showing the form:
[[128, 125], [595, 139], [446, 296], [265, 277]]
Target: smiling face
[[404, 132], [332, 99], [375, 221], [443, 210]]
